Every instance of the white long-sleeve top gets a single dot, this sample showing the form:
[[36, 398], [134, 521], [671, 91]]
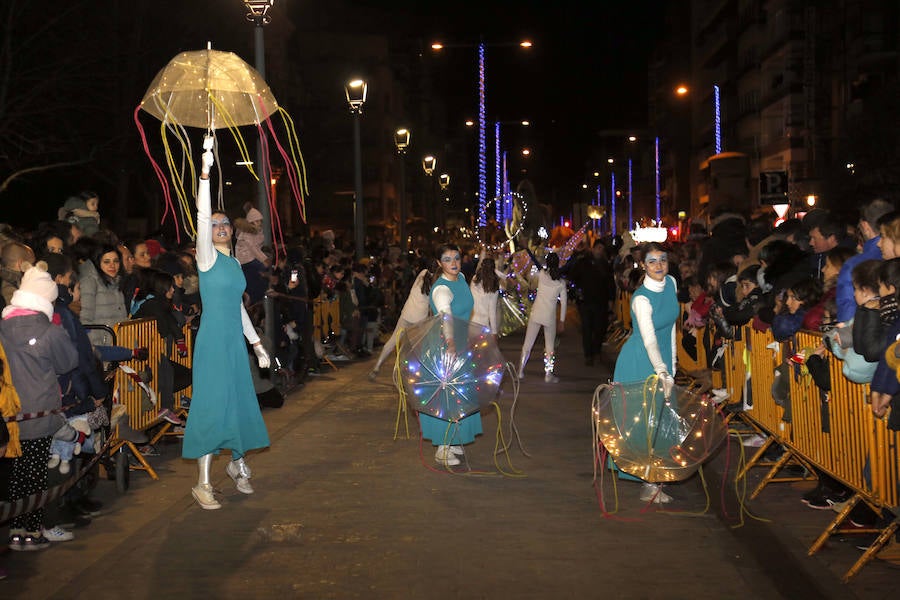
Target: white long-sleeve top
[[643, 313], [207, 255], [485, 309], [416, 306], [543, 311]]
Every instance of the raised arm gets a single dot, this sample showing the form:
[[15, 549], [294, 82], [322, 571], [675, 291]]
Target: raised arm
[[206, 252]]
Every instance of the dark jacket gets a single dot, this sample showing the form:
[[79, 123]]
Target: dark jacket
[[83, 384], [868, 334], [38, 351]]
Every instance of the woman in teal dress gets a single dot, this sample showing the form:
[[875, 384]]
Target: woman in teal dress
[[651, 347], [450, 295], [224, 409]]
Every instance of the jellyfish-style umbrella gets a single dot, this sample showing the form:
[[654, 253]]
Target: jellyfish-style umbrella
[[449, 382], [656, 439], [213, 89], [514, 308]]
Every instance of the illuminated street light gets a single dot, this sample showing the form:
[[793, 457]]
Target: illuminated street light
[[811, 200], [444, 180], [401, 141], [681, 90], [610, 160], [429, 164], [632, 138], [259, 10], [596, 173], [437, 46], [470, 123], [526, 44], [526, 123], [584, 186], [356, 96], [526, 151]]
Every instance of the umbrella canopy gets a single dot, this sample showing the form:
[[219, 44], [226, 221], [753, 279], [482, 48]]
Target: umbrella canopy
[[444, 384], [653, 438], [210, 89]]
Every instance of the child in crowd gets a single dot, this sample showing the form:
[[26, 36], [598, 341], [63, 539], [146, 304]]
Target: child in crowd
[[884, 381], [791, 311], [83, 210], [38, 351]]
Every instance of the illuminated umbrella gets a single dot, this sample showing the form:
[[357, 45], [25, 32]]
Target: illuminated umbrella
[[652, 438], [214, 90], [445, 384], [210, 89]]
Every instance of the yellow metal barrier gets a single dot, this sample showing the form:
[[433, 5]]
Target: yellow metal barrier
[[143, 333], [326, 317]]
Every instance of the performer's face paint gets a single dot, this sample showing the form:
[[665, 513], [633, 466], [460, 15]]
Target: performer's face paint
[[221, 228], [656, 265], [450, 262]]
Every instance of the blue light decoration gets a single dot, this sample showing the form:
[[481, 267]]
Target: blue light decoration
[[630, 202], [612, 188], [656, 173], [718, 118], [482, 145], [599, 203], [504, 186], [498, 186]]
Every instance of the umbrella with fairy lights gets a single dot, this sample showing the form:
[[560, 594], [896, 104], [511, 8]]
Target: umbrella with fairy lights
[[449, 380], [216, 90], [652, 437]]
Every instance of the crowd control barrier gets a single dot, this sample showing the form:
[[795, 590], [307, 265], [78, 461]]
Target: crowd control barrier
[[833, 433]]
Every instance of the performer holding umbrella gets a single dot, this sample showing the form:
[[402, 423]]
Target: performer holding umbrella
[[224, 409]]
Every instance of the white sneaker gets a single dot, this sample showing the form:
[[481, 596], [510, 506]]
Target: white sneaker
[[652, 492], [53, 462], [445, 456], [753, 441], [241, 477], [58, 534], [64, 467], [203, 494], [457, 450], [551, 378]]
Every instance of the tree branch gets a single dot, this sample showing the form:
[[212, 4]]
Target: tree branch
[[39, 168]]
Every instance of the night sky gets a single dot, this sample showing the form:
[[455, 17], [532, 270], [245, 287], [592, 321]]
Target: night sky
[[76, 74]]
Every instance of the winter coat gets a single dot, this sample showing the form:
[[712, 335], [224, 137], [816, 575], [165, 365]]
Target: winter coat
[[101, 303], [868, 334], [854, 367], [38, 351], [786, 324], [83, 384]]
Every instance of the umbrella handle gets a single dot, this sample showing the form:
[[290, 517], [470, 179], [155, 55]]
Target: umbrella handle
[[208, 140]]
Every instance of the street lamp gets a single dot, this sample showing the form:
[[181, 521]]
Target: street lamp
[[356, 91], [429, 164], [259, 15], [401, 141], [444, 181]]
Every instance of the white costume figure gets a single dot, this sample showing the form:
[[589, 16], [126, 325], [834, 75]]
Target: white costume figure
[[485, 311], [415, 309], [543, 314]]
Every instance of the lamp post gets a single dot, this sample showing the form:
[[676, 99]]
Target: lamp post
[[259, 15], [356, 91], [429, 164], [401, 141]]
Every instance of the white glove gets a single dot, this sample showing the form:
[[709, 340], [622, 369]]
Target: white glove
[[261, 356], [207, 162], [667, 382]]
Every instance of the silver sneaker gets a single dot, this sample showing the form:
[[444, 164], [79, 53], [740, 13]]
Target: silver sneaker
[[240, 473], [203, 494]]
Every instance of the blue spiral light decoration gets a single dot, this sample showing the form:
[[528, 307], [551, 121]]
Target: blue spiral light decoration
[[482, 146], [718, 119], [498, 184]]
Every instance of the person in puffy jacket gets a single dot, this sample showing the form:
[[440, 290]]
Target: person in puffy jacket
[[38, 352]]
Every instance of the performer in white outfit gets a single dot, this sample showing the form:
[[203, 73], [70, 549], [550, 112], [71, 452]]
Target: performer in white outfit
[[485, 288], [550, 286], [415, 309]]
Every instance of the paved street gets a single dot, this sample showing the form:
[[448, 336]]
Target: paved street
[[344, 511]]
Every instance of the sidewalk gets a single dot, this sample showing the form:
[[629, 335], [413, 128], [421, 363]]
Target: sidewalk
[[341, 510]]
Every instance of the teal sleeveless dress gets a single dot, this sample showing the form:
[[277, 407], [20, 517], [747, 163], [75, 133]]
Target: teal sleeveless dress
[[224, 409], [442, 432], [633, 363]]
